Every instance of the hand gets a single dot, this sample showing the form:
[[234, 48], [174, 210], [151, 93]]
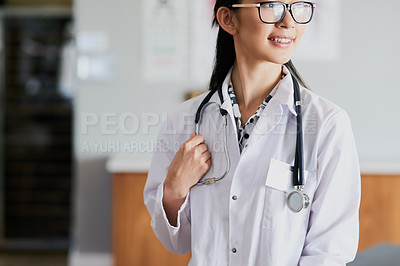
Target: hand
[[191, 162]]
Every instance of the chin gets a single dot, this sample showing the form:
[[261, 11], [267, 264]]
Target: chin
[[283, 59], [279, 61]]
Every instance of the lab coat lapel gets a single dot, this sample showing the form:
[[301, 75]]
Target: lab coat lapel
[[227, 105], [271, 116], [233, 144]]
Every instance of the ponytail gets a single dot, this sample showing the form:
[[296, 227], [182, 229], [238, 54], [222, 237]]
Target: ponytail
[[225, 54], [224, 58]]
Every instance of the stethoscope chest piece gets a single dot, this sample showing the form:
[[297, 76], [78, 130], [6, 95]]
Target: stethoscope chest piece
[[297, 200]]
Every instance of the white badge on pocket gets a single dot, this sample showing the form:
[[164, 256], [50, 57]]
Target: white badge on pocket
[[280, 176]]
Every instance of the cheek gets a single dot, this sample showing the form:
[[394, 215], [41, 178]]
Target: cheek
[[259, 32], [254, 37], [250, 24]]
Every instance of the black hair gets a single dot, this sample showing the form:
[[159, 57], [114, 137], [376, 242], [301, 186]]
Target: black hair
[[225, 54]]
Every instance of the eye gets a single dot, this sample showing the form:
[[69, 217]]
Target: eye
[[276, 7], [302, 6], [269, 5]]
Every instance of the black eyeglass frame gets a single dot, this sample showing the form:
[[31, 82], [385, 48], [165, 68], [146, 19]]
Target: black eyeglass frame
[[285, 6]]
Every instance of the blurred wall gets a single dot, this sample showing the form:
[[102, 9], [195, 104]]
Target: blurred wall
[[106, 99], [363, 80]]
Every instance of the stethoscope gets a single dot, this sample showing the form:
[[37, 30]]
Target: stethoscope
[[297, 199]]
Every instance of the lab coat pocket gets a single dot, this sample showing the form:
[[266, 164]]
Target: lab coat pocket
[[277, 184], [274, 206]]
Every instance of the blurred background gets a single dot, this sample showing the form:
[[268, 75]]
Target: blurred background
[[86, 84]]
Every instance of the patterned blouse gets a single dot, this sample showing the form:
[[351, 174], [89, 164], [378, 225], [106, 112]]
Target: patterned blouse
[[245, 131]]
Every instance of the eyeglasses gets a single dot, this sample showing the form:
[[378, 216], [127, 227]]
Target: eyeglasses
[[272, 12]]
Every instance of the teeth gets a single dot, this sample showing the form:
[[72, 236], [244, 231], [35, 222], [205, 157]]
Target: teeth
[[282, 40]]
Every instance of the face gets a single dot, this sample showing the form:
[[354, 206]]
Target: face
[[259, 41]]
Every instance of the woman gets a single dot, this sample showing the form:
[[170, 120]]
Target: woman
[[244, 219]]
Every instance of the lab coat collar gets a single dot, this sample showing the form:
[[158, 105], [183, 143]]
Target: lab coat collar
[[285, 92], [227, 105]]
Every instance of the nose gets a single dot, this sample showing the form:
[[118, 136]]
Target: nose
[[287, 21]]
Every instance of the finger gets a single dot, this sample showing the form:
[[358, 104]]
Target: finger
[[196, 140], [201, 148], [206, 156], [190, 145], [205, 163], [208, 162]]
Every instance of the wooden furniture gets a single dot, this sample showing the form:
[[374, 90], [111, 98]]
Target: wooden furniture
[[134, 242], [380, 210]]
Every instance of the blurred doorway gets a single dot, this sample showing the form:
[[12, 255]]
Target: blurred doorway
[[36, 130]]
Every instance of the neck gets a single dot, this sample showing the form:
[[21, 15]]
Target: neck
[[253, 82]]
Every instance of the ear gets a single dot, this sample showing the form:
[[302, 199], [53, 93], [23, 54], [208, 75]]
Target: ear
[[227, 20]]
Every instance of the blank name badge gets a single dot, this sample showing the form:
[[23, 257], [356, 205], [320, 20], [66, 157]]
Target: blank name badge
[[280, 176]]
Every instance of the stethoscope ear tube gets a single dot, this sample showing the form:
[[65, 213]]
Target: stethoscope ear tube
[[201, 106]]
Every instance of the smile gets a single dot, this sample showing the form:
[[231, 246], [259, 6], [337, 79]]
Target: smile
[[281, 41]]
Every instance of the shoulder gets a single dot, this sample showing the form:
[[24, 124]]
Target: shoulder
[[325, 123], [317, 107]]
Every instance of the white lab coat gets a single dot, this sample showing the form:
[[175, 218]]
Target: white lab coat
[[258, 224]]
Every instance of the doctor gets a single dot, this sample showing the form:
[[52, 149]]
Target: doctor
[[244, 219]]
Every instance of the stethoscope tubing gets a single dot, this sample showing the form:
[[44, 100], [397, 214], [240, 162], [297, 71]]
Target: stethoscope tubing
[[213, 180], [298, 169]]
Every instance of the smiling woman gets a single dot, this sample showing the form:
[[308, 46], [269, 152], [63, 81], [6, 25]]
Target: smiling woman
[[235, 206]]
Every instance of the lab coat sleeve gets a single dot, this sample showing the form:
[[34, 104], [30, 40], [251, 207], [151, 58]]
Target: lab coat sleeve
[[175, 239], [333, 229]]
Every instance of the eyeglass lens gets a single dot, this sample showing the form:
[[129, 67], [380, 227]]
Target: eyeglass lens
[[274, 12]]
